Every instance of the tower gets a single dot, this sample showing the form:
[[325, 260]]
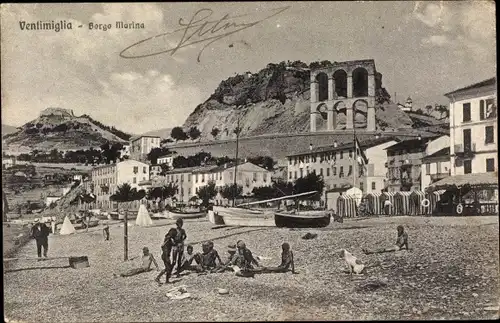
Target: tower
[[345, 89]]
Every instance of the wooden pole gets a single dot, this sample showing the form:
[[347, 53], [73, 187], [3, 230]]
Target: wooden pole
[[125, 237], [236, 166]]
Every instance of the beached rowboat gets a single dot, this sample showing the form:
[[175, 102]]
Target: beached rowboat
[[177, 214], [236, 216], [305, 219]]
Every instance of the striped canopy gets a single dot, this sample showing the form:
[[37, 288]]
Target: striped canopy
[[390, 196], [346, 206], [402, 203], [373, 203], [434, 197], [416, 198]]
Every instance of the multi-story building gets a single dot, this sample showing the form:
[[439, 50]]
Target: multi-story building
[[190, 180], [336, 164], [167, 160], [435, 167], [404, 162], [142, 145], [473, 128], [106, 178]]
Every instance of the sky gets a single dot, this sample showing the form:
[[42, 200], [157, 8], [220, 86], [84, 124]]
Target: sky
[[423, 50]]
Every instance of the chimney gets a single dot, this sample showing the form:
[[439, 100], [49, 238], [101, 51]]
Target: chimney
[[310, 146], [335, 143]]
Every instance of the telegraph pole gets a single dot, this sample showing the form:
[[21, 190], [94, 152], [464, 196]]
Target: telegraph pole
[[236, 165]]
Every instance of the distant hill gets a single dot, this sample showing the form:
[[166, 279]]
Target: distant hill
[[60, 129], [276, 100], [6, 129]]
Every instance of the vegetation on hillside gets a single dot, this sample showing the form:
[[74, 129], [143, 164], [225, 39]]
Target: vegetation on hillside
[[120, 134]]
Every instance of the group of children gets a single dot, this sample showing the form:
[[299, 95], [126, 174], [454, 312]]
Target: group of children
[[240, 258]]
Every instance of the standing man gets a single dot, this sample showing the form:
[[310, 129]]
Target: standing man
[[41, 234]]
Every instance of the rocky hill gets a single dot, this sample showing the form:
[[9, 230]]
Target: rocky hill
[[274, 100], [60, 129]]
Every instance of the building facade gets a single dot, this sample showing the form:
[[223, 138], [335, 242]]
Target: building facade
[[404, 162], [167, 160], [473, 128], [106, 179], [435, 167], [337, 166], [190, 180], [141, 146]]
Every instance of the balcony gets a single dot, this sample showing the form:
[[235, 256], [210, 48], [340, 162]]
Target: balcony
[[465, 151]]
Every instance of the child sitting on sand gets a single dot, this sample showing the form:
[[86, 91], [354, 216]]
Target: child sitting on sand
[[286, 261], [147, 260], [401, 241]]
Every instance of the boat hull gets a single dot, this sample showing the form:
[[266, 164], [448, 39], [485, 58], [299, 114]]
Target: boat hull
[[188, 215], [234, 216], [312, 219]]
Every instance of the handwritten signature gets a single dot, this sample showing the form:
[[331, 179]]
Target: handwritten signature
[[198, 30]]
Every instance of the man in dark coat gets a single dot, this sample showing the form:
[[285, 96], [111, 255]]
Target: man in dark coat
[[41, 234]]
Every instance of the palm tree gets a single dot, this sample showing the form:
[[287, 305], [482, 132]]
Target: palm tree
[[124, 194]]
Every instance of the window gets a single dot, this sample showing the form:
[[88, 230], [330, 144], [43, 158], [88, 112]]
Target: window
[[196, 178], [374, 186], [289, 161], [182, 177], [490, 164], [350, 170], [428, 168], [144, 178], [467, 166], [255, 177], [144, 170], [220, 175], [328, 171], [341, 172], [301, 172], [203, 178], [488, 135], [341, 155], [264, 177], [334, 171], [491, 109], [350, 153], [136, 169], [290, 175], [481, 110], [361, 185], [295, 175], [466, 112], [189, 177], [134, 180], [321, 171]]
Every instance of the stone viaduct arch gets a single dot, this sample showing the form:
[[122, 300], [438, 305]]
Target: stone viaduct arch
[[347, 91]]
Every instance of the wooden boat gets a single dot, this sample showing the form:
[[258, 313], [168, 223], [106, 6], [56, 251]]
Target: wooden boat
[[186, 214], [160, 215], [238, 216], [305, 219]]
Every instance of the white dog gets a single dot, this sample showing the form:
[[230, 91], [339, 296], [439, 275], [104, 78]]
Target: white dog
[[355, 265]]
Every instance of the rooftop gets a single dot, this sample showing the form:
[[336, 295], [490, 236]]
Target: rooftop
[[134, 138], [488, 82], [443, 153], [411, 143]]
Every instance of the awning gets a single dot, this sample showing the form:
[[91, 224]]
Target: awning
[[473, 180]]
